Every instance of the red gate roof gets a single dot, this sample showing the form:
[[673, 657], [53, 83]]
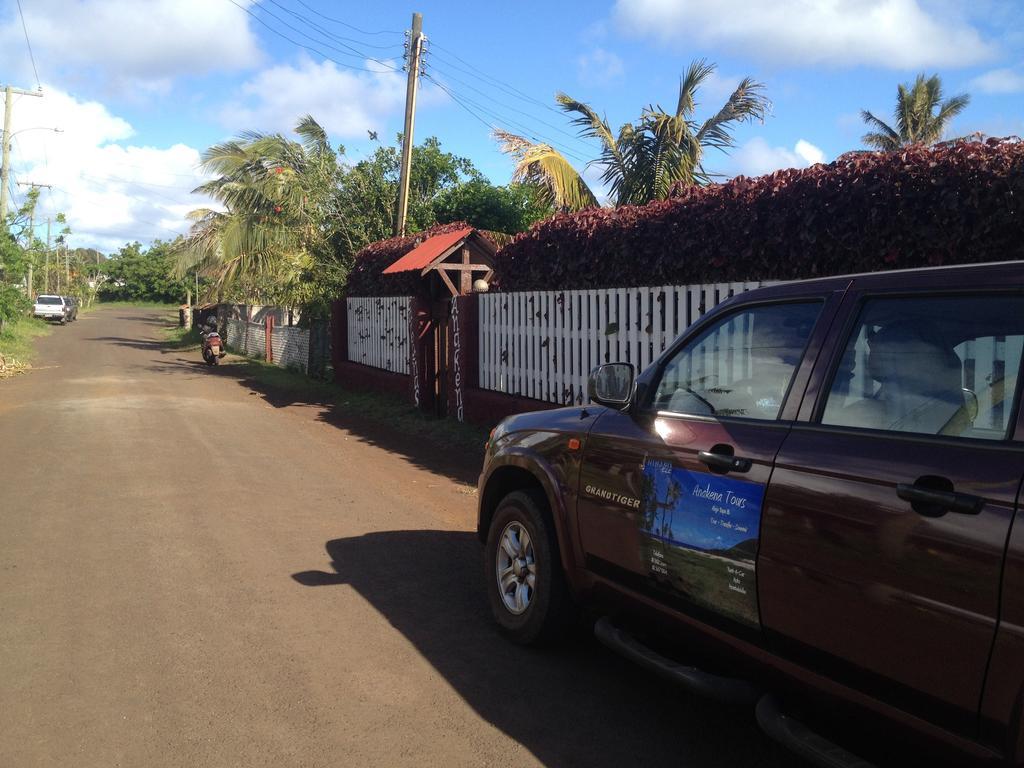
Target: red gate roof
[[424, 253]]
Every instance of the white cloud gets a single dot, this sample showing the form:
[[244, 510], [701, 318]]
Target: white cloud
[[132, 44], [898, 34], [809, 153], [757, 157], [1000, 81], [344, 102], [111, 190], [599, 67]]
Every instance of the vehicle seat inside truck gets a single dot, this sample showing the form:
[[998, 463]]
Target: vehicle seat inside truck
[[920, 386]]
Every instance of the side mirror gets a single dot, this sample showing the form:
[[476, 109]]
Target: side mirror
[[611, 385]]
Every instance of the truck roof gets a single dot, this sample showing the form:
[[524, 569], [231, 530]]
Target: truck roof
[[1015, 268]]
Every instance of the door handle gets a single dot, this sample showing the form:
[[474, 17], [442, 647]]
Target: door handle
[[724, 462], [964, 503]]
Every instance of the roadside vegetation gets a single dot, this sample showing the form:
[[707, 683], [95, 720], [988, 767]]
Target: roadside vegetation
[[645, 159], [294, 213], [135, 274], [16, 342], [133, 304], [389, 412], [181, 338]]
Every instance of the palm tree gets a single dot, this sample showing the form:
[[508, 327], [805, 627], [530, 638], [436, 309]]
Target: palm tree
[[277, 217], [646, 158], [917, 121]]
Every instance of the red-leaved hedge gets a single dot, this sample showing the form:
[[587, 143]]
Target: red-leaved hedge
[[955, 203]]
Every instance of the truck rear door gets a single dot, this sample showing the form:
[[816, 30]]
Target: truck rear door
[[883, 536]]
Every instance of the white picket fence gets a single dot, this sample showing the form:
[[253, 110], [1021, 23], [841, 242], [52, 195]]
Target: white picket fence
[[543, 344], [378, 332]]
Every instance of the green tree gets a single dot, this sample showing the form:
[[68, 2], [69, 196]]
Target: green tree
[[921, 115], [368, 192], [509, 209], [134, 274], [274, 240], [14, 259], [13, 304], [294, 215], [647, 157]]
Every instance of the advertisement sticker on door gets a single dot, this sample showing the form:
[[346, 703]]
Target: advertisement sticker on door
[[699, 534]]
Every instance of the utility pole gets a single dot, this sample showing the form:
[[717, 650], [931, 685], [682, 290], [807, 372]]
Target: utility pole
[[5, 172], [46, 272], [413, 64], [31, 243]]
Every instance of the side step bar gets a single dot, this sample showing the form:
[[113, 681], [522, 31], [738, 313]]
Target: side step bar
[[697, 681], [788, 732], [800, 739]]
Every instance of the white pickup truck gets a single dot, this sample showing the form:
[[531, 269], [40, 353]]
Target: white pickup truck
[[51, 308]]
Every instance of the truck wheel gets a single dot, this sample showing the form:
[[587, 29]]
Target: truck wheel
[[523, 572]]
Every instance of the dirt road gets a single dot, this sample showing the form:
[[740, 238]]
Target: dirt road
[[194, 574]]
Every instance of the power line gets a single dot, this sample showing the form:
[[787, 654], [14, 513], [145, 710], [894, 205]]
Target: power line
[[530, 133], [573, 136], [302, 45], [464, 102], [116, 180], [355, 53], [476, 72], [165, 173], [350, 26], [454, 98], [29, 44], [154, 224], [333, 36], [474, 108], [141, 183]]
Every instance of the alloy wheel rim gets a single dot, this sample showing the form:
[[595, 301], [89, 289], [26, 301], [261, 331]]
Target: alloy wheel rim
[[516, 568]]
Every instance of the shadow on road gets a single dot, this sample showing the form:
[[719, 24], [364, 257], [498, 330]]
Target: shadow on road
[[151, 346], [147, 318], [280, 389], [572, 705]]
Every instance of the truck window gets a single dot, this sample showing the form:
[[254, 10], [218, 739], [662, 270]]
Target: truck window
[[741, 365], [943, 365]]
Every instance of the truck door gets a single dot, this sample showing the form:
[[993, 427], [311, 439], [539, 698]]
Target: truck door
[[882, 541], [671, 494]]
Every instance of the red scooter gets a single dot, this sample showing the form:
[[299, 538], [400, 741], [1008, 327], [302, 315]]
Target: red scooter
[[213, 347]]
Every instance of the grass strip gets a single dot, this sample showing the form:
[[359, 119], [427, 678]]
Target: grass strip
[[378, 407], [128, 305], [17, 340]]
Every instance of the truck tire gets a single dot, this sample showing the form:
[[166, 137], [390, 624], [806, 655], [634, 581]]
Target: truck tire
[[523, 572]]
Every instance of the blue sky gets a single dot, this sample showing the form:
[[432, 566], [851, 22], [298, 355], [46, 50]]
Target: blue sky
[[141, 87]]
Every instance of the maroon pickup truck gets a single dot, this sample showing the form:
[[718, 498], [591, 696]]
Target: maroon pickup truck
[[815, 494]]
